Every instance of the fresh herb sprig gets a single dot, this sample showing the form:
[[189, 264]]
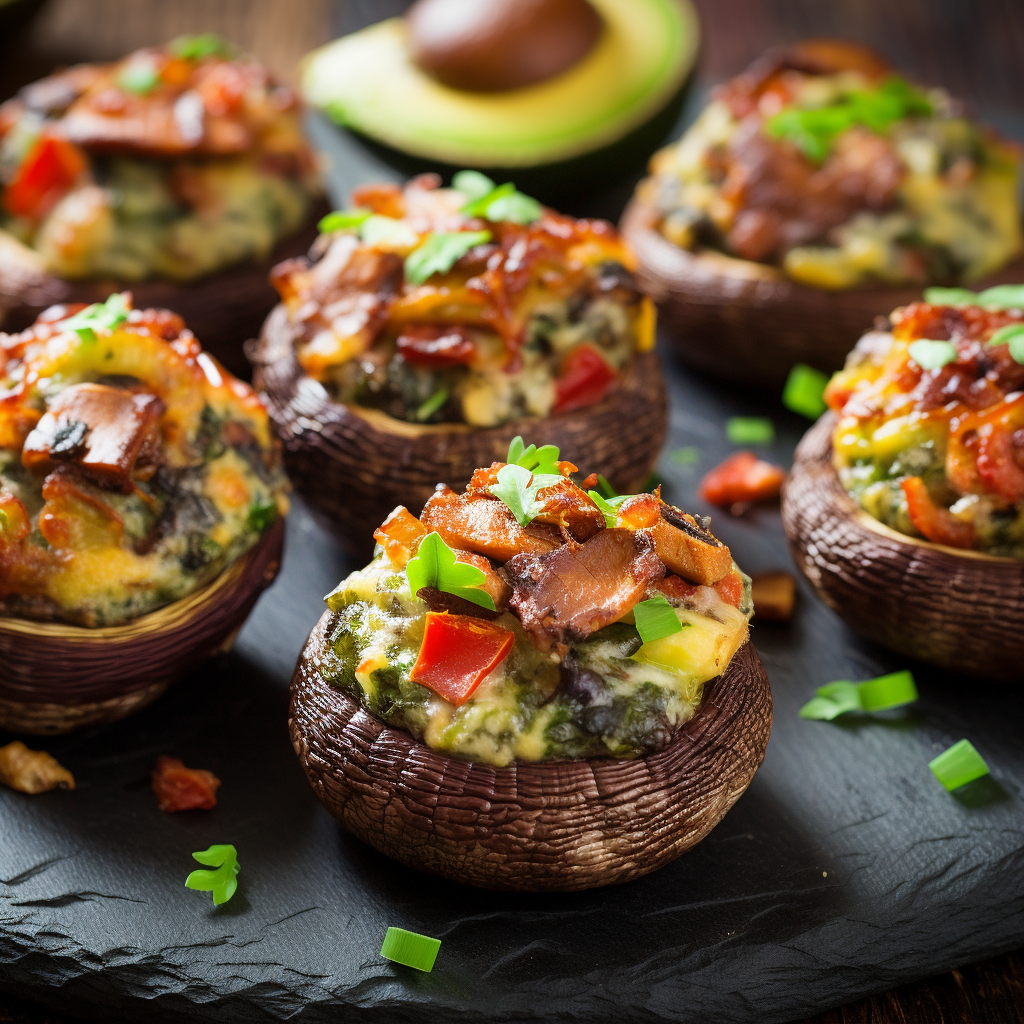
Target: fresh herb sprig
[[224, 880], [439, 252], [100, 317], [527, 471], [435, 565]]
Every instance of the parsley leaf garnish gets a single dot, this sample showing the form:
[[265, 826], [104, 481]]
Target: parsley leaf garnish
[[100, 317], [608, 506], [435, 566], [528, 471], [499, 203], [439, 253], [538, 460], [222, 882], [1013, 335], [340, 220]]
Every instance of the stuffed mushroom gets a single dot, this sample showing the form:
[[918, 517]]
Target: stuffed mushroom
[[815, 189], [431, 324], [532, 686], [180, 171], [905, 506], [141, 504]]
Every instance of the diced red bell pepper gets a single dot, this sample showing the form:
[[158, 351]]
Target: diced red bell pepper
[[457, 652], [179, 788], [730, 589], [435, 346], [741, 478], [934, 522], [48, 171], [585, 379]]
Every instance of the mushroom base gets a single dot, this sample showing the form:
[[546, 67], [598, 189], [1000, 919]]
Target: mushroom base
[[353, 466], [747, 322], [959, 610], [529, 826], [55, 678]]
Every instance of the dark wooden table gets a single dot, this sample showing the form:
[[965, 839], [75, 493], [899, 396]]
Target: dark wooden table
[[973, 47]]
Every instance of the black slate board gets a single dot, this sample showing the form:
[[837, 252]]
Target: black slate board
[[844, 870]]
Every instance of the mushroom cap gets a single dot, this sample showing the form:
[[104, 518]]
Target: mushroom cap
[[747, 322], [55, 677], [224, 309], [960, 610], [529, 826], [353, 466]]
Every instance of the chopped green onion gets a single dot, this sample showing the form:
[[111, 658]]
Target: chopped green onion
[[138, 76], [339, 220], [685, 456], [749, 430], [804, 391], [100, 317], [222, 882], [1002, 296], [410, 948], [432, 404], [206, 44], [440, 252], [890, 691], [958, 765], [1012, 334], [472, 184], [932, 355], [377, 230], [950, 296], [503, 203], [435, 565], [655, 618]]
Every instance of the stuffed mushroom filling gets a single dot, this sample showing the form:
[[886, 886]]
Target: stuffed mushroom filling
[[133, 468], [820, 161], [470, 304], [530, 618], [930, 439], [174, 162]]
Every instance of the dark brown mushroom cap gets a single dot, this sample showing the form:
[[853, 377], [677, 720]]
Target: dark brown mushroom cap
[[960, 610], [223, 309], [530, 826], [747, 322], [55, 677], [353, 466], [491, 45]]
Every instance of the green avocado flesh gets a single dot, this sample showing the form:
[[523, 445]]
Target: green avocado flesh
[[609, 704], [367, 81]]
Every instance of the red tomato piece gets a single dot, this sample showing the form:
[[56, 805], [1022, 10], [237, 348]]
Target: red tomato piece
[[179, 788], [585, 379], [458, 651], [934, 522], [730, 589], [48, 171], [435, 346], [741, 478]]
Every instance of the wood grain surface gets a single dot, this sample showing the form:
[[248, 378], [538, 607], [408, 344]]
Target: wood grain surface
[[972, 47]]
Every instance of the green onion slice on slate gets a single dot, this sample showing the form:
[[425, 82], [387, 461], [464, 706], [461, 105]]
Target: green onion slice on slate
[[834, 699], [410, 948], [804, 391], [932, 355], [958, 765], [655, 618], [749, 430]]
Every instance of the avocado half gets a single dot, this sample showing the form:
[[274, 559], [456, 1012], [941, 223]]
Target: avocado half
[[367, 81]]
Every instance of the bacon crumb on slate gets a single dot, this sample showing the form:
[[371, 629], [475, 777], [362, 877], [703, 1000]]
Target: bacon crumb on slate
[[179, 788]]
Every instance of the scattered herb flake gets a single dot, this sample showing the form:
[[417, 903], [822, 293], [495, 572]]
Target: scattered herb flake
[[435, 566], [341, 220], [804, 391], [605, 487], [932, 355], [958, 765], [749, 430], [223, 881], [410, 949], [655, 618], [439, 253]]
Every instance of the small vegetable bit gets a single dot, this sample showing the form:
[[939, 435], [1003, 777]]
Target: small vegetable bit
[[882, 694], [585, 379], [749, 430], [46, 174], [457, 653], [655, 618], [742, 478], [436, 566], [518, 488], [958, 765], [932, 355], [932, 521], [100, 317], [495, 203], [804, 391], [774, 594], [1000, 296], [1013, 335], [440, 252], [32, 771], [179, 788], [410, 949], [223, 881], [685, 456], [341, 220]]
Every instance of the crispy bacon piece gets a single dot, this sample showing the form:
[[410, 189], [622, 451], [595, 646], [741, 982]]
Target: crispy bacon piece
[[574, 591], [179, 788], [400, 535], [32, 771], [774, 594], [570, 509], [99, 431], [482, 523], [680, 541]]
